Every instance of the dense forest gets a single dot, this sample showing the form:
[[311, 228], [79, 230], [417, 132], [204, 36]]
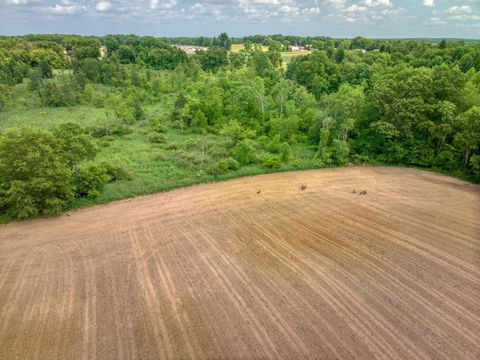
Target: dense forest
[[91, 119]]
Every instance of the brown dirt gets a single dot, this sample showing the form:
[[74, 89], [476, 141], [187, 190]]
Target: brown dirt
[[219, 271]]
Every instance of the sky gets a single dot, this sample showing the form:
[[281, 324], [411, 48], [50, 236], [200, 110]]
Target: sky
[[335, 18]]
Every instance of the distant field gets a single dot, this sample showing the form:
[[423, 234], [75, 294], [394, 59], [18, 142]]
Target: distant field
[[287, 56], [238, 47], [253, 268], [47, 117]]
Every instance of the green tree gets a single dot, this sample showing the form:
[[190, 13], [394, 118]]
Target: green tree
[[224, 41], [275, 53], [237, 59], [84, 52], [444, 125], [316, 72], [475, 163], [468, 134], [448, 83], [45, 70], [345, 107], [126, 54], [212, 59], [74, 144], [261, 63], [34, 177]]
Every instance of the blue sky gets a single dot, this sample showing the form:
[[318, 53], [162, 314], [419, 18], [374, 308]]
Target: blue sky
[[337, 18]]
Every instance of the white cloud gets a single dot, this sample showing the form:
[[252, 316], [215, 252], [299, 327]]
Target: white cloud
[[288, 9], [103, 6], [372, 3], [237, 15], [364, 11], [311, 11], [465, 17], [67, 8], [459, 10], [435, 20], [339, 4], [168, 4], [283, 10], [16, 2], [356, 8]]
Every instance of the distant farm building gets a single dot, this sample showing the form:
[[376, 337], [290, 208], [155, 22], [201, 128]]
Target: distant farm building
[[363, 51], [296, 48], [190, 49]]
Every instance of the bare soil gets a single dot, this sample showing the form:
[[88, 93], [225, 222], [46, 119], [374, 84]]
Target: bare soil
[[222, 271]]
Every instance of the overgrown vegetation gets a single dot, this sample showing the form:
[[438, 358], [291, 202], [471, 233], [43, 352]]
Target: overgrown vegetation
[[88, 120]]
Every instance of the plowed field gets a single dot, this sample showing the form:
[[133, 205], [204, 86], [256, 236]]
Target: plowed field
[[252, 268]]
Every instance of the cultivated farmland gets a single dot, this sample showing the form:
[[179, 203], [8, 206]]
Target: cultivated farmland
[[252, 268]]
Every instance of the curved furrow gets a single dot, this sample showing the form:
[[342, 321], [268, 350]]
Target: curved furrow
[[328, 290], [326, 333], [266, 305], [346, 223], [261, 335], [144, 280], [421, 301]]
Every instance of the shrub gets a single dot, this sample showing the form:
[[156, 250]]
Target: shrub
[[5, 94], [223, 166], [475, 162], [272, 162], [90, 181], [61, 93], [172, 146], [90, 95], [157, 138], [277, 147], [340, 152], [447, 158], [98, 131], [230, 164], [234, 131], [244, 152], [115, 172], [360, 158], [274, 144], [105, 141], [160, 157], [187, 160], [157, 126], [285, 151]]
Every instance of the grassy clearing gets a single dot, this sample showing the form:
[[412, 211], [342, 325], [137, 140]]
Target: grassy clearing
[[287, 56], [51, 117], [238, 47], [178, 163], [154, 167]]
